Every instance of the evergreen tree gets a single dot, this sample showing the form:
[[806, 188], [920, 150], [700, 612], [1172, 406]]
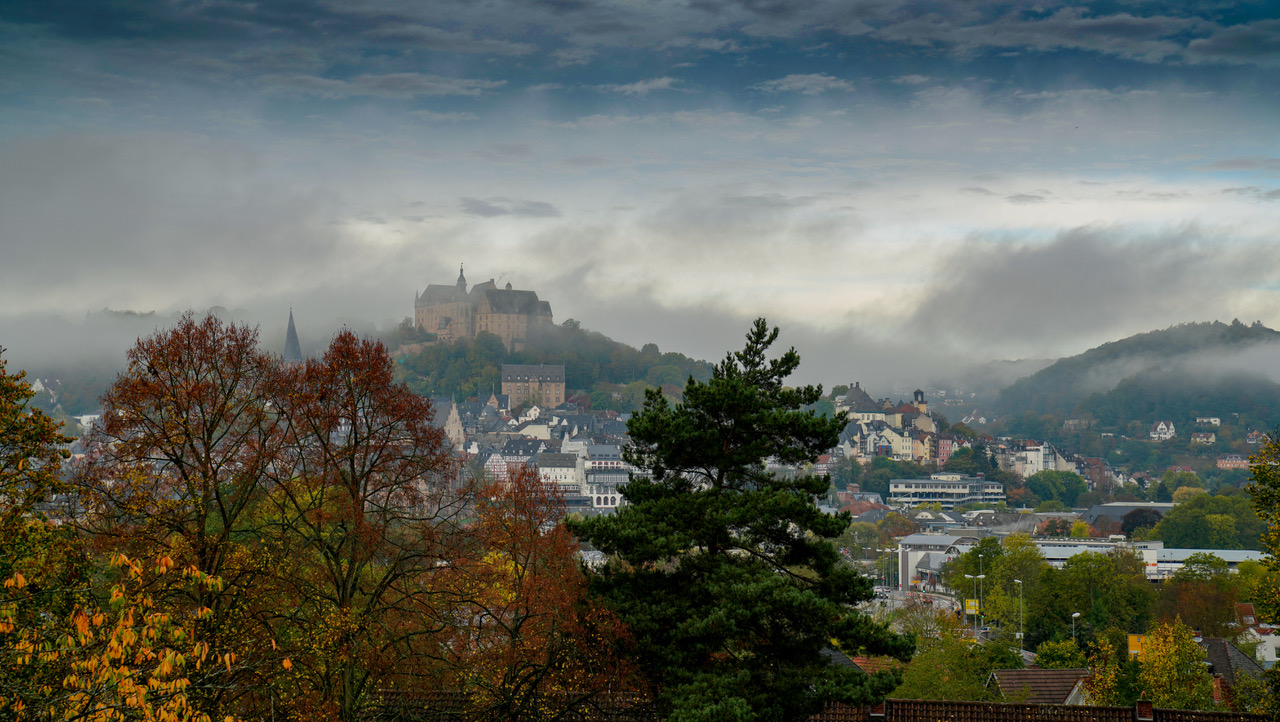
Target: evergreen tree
[[723, 569]]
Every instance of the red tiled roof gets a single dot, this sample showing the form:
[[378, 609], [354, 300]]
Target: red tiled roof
[[857, 508], [1039, 686], [871, 665]]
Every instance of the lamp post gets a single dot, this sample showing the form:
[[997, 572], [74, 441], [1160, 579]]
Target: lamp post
[[975, 594], [1074, 616], [981, 575], [1022, 619], [982, 613]]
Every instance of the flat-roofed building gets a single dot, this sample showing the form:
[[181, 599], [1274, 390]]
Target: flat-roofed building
[[949, 490]]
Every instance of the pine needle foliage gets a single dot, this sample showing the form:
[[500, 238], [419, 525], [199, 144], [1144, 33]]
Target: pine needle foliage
[[724, 569]]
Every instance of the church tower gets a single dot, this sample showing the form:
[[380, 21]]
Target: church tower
[[292, 349]]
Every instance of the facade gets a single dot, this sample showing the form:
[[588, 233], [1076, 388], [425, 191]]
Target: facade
[[1233, 461], [453, 312], [564, 471], [541, 384], [949, 490]]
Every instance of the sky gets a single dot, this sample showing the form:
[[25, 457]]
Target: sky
[[903, 187]]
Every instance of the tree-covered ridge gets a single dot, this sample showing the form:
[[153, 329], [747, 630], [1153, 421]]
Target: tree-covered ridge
[[614, 373], [1060, 387], [1181, 395]]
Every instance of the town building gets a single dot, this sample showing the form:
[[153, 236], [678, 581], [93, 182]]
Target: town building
[[542, 384], [1233, 461], [948, 489]]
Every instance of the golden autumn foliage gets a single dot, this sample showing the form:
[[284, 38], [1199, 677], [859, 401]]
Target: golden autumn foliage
[[122, 659], [1173, 673]]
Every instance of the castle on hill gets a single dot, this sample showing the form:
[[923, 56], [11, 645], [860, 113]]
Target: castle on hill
[[453, 312]]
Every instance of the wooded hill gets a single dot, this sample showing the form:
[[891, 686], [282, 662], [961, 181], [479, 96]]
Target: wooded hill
[[613, 373], [1179, 372]]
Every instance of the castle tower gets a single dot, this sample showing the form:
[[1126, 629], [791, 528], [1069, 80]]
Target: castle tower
[[292, 349]]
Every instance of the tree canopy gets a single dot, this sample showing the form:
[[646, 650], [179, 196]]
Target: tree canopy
[[1207, 521], [723, 569]]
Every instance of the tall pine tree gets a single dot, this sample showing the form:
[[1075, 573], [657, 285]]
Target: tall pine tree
[[723, 569]]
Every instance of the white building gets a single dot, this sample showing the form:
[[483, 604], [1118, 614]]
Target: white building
[[948, 489]]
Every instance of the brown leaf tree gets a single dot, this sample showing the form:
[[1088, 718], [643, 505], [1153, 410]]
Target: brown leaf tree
[[366, 511], [175, 469], [530, 643]]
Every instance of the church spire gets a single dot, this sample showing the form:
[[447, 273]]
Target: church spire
[[292, 349], [462, 280]]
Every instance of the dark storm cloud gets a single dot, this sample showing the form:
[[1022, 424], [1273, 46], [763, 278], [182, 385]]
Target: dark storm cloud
[[1257, 42], [1121, 34], [571, 34], [1085, 282]]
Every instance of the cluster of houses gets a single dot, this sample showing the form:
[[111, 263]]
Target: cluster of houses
[[579, 453], [911, 432]]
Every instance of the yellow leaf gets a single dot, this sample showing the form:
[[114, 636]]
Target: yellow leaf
[[286, 663]]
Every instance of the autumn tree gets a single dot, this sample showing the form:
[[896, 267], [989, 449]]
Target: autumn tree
[[1105, 683], [365, 510], [1013, 576], [722, 569], [38, 559], [1173, 673], [66, 650], [530, 644], [1265, 493], [1204, 594], [177, 463]]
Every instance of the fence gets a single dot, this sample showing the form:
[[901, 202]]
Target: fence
[[455, 707]]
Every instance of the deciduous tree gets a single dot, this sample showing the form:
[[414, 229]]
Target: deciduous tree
[[176, 465], [1265, 493], [529, 643], [1173, 673], [365, 511]]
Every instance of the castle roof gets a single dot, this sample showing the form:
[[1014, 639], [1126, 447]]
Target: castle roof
[[516, 302], [440, 293]]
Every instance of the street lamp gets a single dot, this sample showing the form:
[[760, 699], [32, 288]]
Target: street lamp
[[981, 611], [1074, 615], [1022, 619], [981, 575], [888, 568], [975, 594]]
